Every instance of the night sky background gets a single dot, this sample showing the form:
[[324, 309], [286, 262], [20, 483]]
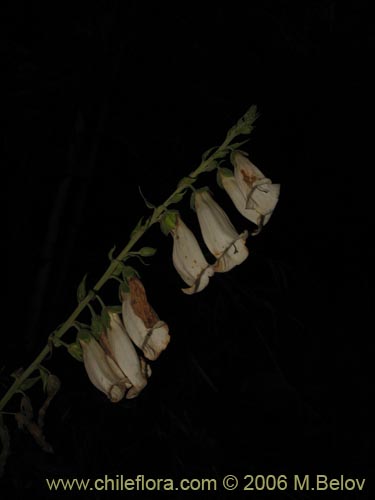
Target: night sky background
[[270, 369]]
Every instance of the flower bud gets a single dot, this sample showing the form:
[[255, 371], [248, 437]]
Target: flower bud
[[189, 260], [142, 323], [219, 234]]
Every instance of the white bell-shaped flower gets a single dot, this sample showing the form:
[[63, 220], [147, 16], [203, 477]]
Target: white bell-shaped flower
[[229, 183], [260, 195], [219, 234], [188, 259], [102, 371], [125, 355]]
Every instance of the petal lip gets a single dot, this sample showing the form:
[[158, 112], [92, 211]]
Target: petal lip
[[201, 282], [265, 198], [156, 341], [234, 255]]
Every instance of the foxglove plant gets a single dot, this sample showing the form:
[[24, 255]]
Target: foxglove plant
[[113, 349]]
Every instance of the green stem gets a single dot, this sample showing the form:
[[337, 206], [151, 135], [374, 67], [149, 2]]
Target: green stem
[[156, 217]]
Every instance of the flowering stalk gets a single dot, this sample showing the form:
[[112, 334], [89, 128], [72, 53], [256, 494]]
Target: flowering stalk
[[209, 161]]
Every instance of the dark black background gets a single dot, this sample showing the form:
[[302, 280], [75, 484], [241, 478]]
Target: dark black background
[[269, 368]]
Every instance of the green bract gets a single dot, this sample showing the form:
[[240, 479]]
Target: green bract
[[168, 222]]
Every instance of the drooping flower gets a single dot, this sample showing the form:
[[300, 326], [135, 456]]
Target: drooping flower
[[142, 323], [229, 183], [102, 371], [219, 234], [188, 258], [125, 355], [253, 194]]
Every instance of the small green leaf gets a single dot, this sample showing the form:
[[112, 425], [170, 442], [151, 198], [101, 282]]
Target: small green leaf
[[106, 320], [212, 166], [137, 227], [56, 341], [169, 221], [97, 327], [129, 272], [135, 254], [177, 198], [118, 269], [237, 145], [75, 350], [81, 290], [84, 335], [123, 288], [221, 154], [110, 253], [53, 385], [81, 326], [28, 383], [192, 198], [207, 153], [186, 181], [223, 172], [147, 252], [44, 376], [147, 203], [17, 373], [226, 172]]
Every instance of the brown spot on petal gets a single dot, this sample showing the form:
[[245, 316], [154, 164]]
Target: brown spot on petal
[[139, 303], [249, 179]]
